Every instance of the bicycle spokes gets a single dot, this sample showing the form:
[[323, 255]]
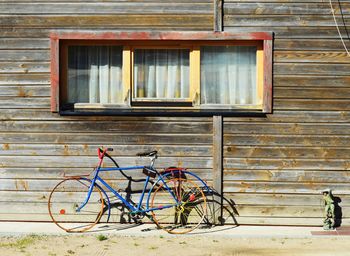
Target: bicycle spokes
[[65, 200], [187, 212]]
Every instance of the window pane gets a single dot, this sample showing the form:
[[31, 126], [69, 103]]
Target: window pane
[[161, 74], [95, 74], [228, 75]]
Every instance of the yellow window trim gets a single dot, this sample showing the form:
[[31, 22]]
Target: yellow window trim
[[194, 62]]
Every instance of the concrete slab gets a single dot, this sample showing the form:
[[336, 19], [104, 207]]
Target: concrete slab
[[25, 228]]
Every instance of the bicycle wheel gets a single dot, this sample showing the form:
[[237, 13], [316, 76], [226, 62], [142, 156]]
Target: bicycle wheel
[[184, 215], [67, 196]]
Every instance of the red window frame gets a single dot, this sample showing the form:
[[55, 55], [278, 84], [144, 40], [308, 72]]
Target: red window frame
[[266, 37]]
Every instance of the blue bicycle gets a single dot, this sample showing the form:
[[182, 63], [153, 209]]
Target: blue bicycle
[[174, 199]]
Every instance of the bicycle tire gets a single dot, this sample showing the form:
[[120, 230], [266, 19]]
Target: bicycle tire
[[67, 196], [184, 217]]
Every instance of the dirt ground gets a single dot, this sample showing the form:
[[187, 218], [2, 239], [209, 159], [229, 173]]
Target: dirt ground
[[107, 244]]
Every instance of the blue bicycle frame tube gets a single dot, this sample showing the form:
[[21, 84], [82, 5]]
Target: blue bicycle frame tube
[[143, 193], [116, 194], [87, 197], [121, 168]]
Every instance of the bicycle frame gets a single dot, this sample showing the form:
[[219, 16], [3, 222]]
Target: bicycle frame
[[131, 207]]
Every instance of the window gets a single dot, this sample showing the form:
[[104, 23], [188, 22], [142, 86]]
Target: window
[[161, 74], [94, 74], [229, 75]]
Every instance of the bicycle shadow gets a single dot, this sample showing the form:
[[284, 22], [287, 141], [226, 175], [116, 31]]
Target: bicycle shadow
[[222, 210], [221, 214]]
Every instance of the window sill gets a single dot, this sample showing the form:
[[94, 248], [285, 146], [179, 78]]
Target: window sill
[[160, 111], [151, 105]]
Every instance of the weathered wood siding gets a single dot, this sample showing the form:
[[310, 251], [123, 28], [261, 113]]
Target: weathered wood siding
[[275, 167], [38, 147]]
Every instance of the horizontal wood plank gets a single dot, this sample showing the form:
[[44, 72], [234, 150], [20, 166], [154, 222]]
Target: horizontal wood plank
[[311, 81], [287, 175], [287, 152], [311, 69], [284, 187], [91, 150], [111, 21], [288, 140], [90, 162], [62, 172], [107, 127], [311, 93], [25, 79], [308, 44], [25, 91], [289, 164], [283, 8], [296, 116], [16, 55], [24, 67], [312, 104], [107, 8], [275, 199], [280, 20], [311, 56], [101, 139], [25, 102], [284, 221], [288, 32], [286, 128], [24, 43]]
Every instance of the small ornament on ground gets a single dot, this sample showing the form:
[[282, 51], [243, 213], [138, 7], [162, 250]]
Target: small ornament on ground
[[328, 222]]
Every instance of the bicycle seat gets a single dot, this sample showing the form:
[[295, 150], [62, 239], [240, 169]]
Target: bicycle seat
[[149, 153]]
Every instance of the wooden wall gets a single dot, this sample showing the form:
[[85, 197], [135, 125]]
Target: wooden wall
[[275, 167], [38, 147]]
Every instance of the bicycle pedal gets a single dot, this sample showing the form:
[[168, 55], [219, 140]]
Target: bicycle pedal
[[137, 215]]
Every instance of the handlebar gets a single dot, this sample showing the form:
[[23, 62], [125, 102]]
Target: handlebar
[[103, 152]]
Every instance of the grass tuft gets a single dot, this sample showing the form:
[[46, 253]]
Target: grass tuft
[[101, 237]]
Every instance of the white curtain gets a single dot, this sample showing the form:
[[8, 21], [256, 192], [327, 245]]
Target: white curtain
[[95, 74], [161, 74], [228, 75]]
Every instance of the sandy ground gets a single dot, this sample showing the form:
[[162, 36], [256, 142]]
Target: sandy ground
[[112, 244]]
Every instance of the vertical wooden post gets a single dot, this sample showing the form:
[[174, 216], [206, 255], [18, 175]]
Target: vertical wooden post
[[218, 15], [54, 45], [268, 63], [217, 167]]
